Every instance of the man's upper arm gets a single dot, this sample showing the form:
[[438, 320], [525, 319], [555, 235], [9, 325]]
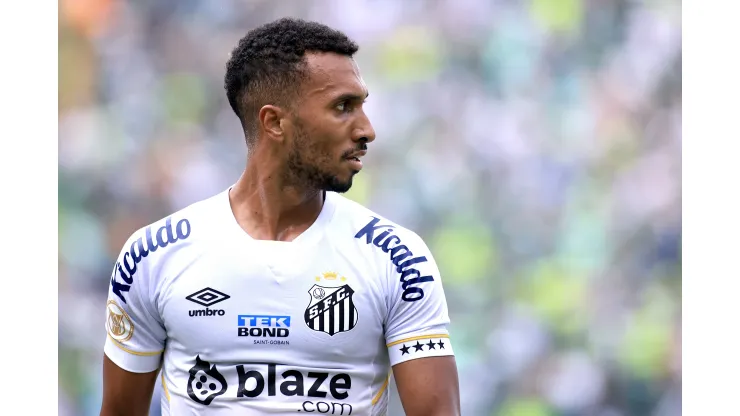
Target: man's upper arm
[[124, 392], [428, 386], [417, 335], [135, 335]]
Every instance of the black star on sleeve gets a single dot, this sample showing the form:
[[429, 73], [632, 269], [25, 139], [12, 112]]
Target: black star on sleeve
[[430, 344], [418, 346], [441, 344], [404, 349]]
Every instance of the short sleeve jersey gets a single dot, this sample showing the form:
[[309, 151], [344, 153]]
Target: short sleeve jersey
[[254, 327]]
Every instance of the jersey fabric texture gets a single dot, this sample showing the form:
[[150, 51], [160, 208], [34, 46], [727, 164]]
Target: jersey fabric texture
[[254, 327]]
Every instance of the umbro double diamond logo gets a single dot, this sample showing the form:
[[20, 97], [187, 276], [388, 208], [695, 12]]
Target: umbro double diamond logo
[[207, 297]]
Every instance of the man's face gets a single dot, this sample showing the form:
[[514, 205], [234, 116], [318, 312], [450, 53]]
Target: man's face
[[330, 128]]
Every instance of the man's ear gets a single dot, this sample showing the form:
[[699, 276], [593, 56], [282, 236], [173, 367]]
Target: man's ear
[[271, 120]]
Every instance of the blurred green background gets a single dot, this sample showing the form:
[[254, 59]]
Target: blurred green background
[[535, 145]]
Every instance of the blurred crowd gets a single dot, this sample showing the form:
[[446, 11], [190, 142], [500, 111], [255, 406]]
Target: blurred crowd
[[535, 145]]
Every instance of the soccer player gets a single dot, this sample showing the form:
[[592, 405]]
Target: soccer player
[[279, 295]]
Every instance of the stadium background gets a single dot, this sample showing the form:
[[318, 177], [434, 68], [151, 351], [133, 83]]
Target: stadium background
[[534, 144]]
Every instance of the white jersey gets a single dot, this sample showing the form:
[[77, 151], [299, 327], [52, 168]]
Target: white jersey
[[254, 327]]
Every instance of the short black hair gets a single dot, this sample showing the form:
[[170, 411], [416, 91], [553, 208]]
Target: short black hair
[[268, 64]]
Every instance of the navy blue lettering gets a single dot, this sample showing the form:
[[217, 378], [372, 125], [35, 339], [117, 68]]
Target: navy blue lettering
[[410, 276], [401, 266], [406, 273], [415, 281], [183, 229], [131, 259], [130, 266], [410, 291], [386, 244], [126, 278], [138, 251], [118, 289], [149, 241], [369, 230], [168, 226], [395, 257], [381, 236], [161, 242]]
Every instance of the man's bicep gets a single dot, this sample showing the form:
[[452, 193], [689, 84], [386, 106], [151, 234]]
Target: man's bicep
[[428, 386], [124, 392]]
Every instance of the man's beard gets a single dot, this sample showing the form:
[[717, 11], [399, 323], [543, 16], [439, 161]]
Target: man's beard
[[304, 167]]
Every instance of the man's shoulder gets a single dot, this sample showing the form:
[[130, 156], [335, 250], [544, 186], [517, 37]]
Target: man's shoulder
[[152, 245], [370, 227], [402, 250], [185, 224]]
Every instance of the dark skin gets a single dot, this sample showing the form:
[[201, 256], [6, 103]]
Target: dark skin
[[300, 153], [126, 393]]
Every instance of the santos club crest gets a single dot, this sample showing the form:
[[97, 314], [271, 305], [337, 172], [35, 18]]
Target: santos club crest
[[331, 309]]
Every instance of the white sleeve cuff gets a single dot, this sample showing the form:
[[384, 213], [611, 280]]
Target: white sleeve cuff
[[132, 361], [433, 345]]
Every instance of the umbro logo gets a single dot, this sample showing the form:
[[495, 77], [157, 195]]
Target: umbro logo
[[207, 297]]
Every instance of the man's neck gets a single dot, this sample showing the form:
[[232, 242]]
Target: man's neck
[[267, 208]]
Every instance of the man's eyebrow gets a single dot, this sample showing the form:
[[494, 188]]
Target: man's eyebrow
[[351, 97]]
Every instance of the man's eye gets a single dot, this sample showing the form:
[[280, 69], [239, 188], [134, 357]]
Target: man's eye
[[342, 106]]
